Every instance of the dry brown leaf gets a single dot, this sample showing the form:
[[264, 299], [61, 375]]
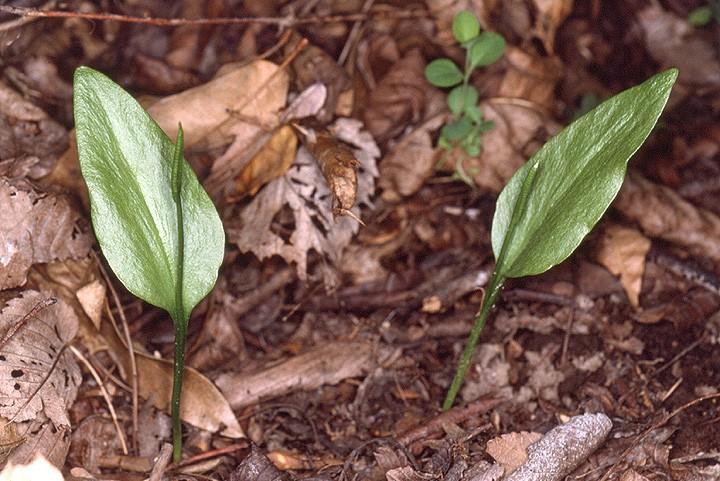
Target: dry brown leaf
[[304, 191], [38, 228], [25, 130], [622, 251], [314, 65], [661, 213], [233, 105], [339, 168], [550, 14], [544, 378], [510, 450], [40, 378], [34, 333], [530, 80], [270, 163], [673, 42], [410, 162], [38, 469], [92, 299], [94, 437], [202, 404], [328, 364], [399, 99]]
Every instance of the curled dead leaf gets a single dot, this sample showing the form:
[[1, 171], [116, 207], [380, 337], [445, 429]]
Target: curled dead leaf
[[549, 15], [661, 213], [410, 162], [271, 162], [38, 228], [622, 251]]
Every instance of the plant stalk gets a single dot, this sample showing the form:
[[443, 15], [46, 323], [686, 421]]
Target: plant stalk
[[491, 294], [180, 317], [178, 368]]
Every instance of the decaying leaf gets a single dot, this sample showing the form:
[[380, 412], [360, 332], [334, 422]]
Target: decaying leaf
[[233, 105], [550, 14], [530, 80], [399, 99], [510, 450], [202, 406], [271, 162], [40, 378], [622, 251], [314, 65], [670, 39], [38, 469], [303, 189], [25, 130], [92, 299], [38, 374], [661, 213], [38, 228], [410, 162], [339, 168]]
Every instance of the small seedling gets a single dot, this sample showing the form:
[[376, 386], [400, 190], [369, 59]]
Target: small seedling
[[156, 226], [482, 49], [702, 16], [555, 199]]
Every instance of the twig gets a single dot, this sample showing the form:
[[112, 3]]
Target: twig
[[452, 416], [105, 395], [209, 455], [131, 351], [285, 22], [162, 462], [354, 32]]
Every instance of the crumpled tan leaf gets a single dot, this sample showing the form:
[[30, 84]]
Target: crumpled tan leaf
[[304, 191], [37, 228], [399, 99], [549, 15], [25, 130], [202, 403], [410, 162], [39, 377], [510, 450], [673, 42], [622, 251], [271, 162], [661, 213], [33, 333]]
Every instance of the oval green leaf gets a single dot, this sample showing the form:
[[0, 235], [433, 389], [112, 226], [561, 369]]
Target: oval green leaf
[[443, 73], [465, 26], [556, 198], [486, 49], [461, 98], [131, 169], [458, 129]]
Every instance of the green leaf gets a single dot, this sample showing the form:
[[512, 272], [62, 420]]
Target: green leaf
[[556, 198], [132, 169], [458, 129], [443, 73], [465, 26], [462, 97], [486, 49], [700, 17], [474, 113]]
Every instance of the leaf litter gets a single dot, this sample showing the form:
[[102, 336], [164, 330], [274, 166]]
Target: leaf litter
[[574, 340]]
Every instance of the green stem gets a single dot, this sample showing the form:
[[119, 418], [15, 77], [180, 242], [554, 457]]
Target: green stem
[[491, 294], [180, 317]]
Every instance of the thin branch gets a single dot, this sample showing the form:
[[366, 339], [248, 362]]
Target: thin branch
[[285, 22], [105, 395]]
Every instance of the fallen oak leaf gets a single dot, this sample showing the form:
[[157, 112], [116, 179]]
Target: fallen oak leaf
[[622, 251], [39, 228], [510, 450]]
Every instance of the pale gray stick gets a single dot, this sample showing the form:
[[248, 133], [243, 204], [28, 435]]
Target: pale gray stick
[[563, 449]]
